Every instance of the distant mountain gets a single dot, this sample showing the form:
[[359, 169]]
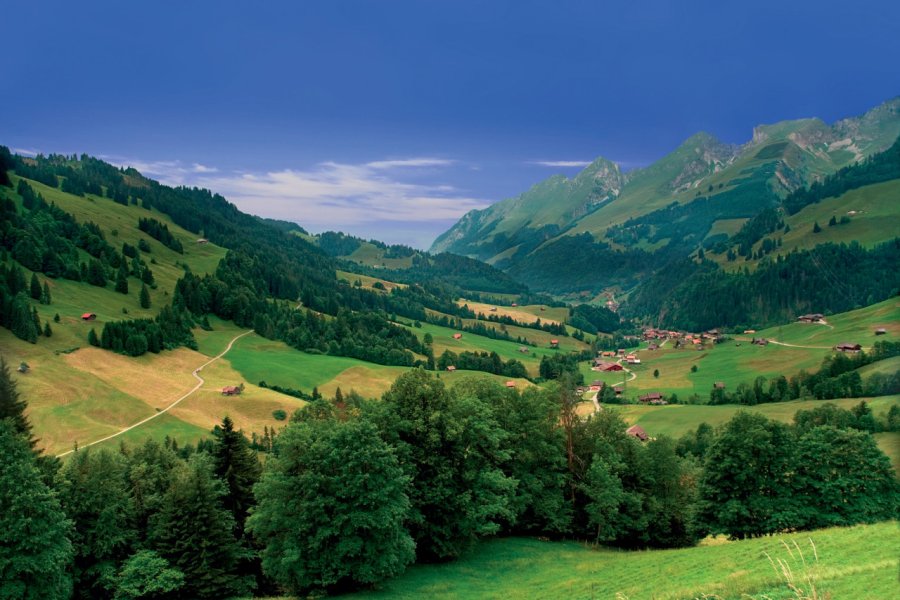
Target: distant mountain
[[649, 216]]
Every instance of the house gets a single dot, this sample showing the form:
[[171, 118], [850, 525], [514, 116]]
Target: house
[[554, 343], [697, 341], [510, 384], [596, 386], [880, 331], [457, 336], [651, 398], [811, 318], [638, 432], [451, 368], [848, 347], [719, 385], [493, 309], [653, 347], [608, 353], [749, 331], [232, 390], [600, 365], [760, 341], [88, 316], [514, 304], [523, 349], [203, 241]]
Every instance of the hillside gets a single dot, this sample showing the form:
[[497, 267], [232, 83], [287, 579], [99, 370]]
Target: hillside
[[851, 564], [625, 226]]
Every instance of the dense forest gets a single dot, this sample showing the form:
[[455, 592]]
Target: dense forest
[[352, 492]]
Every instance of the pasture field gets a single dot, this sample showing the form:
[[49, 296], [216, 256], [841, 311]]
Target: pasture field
[[524, 314], [369, 282], [675, 420], [854, 562], [373, 256]]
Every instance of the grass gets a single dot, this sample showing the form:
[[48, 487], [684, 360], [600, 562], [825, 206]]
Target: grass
[[369, 282], [854, 562], [524, 314], [373, 256]]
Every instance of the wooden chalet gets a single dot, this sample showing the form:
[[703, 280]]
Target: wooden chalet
[[202, 241], [457, 336], [848, 347], [653, 347], [881, 331], [596, 386], [719, 385], [451, 369], [523, 349], [652, 398], [601, 365], [232, 390], [638, 432], [88, 316], [510, 384], [554, 343], [760, 341], [811, 318]]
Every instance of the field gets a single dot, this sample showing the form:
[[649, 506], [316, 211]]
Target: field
[[369, 282], [739, 361], [523, 314], [854, 562], [373, 256]]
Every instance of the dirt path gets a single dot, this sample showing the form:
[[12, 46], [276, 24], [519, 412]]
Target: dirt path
[[200, 382], [797, 346]]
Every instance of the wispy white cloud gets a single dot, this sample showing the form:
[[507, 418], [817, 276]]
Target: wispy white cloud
[[198, 168], [560, 163], [410, 162], [335, 195], [26, 151]]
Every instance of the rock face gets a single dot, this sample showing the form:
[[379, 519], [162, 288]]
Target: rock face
[[778, 159]]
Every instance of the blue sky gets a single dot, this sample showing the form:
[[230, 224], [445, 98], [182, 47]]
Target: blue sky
[[391, 118]]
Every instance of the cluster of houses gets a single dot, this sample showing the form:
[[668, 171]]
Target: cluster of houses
[[682, 338], [812, 318]]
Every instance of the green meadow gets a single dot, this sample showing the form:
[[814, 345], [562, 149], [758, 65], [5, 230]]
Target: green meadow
[[855, 562]]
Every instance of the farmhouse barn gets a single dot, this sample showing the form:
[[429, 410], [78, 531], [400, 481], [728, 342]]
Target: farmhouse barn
[[457, 336], [606, 366], [232, 390], [652, 398], [88, 317], [638, 432], [811, 318], [848, 347]]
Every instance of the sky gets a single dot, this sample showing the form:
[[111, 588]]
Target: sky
[[390, 119]]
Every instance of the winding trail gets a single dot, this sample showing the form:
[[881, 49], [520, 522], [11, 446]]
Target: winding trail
[[200, 382]]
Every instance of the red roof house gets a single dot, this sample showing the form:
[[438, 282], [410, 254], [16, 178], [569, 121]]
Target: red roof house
[[457, 336], [638, 432], [510, 384], [88, 317]]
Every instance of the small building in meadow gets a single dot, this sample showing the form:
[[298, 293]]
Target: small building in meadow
[[638, 432], [510, 384], [811, 318], [719, 385], [88, 316], [457, 336], [451, 368], [606, 366], [202, 241], [848, 347], [554, 343], [881, 331], [232, 390], [652, 398]]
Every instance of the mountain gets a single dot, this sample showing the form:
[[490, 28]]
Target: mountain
[[648, 216]]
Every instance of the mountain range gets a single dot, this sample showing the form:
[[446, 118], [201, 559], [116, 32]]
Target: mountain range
[[646, 217]]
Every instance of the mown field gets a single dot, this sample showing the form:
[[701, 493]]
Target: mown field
[[843, 563], [523, 314]]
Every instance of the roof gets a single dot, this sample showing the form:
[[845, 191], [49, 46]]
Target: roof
[[451, 368], [554, 341], [638, 432], [229, 388], [720, 385], [510, 384], [651, 396], [88, 316], [457, 336]]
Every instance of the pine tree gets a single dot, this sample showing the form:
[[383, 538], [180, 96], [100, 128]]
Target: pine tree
[[92, 338], [35, 287], [35, 550], [95, 274], [122, 280], [45, 294], [194, 532], [94, 495], [47, 331], [22, 319], [833, 221], [12, 406], [145, 296], [56, 318], [236, 465], [816, 228]]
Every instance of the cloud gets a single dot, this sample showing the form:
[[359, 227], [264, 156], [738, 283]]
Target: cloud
[[334, 195], [560, 163], [410, 162], [198, 168], [26, 151]]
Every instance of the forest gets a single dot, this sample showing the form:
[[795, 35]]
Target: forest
[[352, 492]]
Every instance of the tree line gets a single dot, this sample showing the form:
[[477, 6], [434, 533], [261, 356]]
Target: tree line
[[353, 492]]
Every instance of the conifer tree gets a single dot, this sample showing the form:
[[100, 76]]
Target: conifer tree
[[237, 466], [47, 331], [94, 495], [22, 319], [92, 338], [194, 532], [35, 550], [122, 280], [45, 294], [12, 406], [145, 296], [35, 287]]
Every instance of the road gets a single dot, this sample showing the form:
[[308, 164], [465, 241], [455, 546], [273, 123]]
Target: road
[[200, 382]]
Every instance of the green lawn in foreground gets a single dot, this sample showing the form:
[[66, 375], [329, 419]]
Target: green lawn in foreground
[[856, 562]]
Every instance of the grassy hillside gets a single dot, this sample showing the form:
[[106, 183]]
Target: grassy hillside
[[855, 562], [739, 361]]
